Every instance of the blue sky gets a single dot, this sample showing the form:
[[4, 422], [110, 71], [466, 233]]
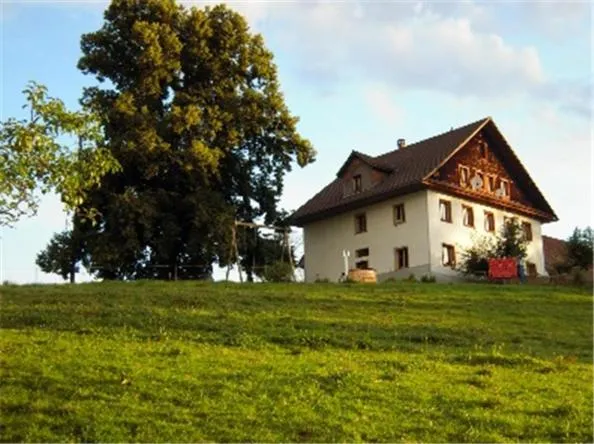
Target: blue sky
[[360, 75]]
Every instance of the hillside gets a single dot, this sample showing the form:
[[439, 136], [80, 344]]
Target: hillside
[[187, 361]]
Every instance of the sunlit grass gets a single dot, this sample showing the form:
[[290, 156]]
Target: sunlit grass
[[175, 362]]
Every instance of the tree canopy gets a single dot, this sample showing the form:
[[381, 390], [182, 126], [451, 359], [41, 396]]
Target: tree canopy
[[193, 112], [53, 150]]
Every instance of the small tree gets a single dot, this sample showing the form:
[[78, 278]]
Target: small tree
[[510, 242], [62, 255], [580, 248]]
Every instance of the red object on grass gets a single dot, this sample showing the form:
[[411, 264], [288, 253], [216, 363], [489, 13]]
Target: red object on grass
[[503, 268]]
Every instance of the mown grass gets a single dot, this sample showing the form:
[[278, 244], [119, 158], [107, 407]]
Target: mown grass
[[188, 361]]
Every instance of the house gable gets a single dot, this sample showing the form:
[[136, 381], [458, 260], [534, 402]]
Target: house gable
[[486, 169], [359, 174]]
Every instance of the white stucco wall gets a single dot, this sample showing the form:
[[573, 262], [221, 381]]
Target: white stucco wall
[[324, 240], [461, 237]]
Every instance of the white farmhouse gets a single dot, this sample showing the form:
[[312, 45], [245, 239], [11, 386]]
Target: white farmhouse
[[415, 209]]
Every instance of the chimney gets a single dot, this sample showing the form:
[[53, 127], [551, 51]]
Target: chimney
[[401, 143]]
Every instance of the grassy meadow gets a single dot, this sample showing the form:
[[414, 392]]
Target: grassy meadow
[[189, 362]]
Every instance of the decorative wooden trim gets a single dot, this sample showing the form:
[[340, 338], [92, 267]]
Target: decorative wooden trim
[[458, 148], [486, 199]]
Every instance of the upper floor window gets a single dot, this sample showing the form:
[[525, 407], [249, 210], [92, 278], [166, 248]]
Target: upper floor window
[[360, 223], [489, 221], [445, 210], [357, 183], [401, 258], [399, 216], [527, 229], [467, 216], [448, 255], [464, 176]]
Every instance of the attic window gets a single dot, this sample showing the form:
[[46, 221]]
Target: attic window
[[505, 187], [491, 183], [464, 176], [357, 184]]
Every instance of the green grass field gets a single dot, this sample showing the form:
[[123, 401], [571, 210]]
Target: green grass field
[[227, 362]]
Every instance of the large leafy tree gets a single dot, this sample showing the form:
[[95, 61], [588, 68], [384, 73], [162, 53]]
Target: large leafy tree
[[54, 149], [194, 114]]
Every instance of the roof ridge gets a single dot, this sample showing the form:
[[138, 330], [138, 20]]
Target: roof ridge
[[418, 142]]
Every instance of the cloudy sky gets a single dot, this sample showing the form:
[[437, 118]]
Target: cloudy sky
[[360, 75]]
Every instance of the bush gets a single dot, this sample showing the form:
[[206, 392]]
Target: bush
[[411, 278], [278, 272], [428, 278]]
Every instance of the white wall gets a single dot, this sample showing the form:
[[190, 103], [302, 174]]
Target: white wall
[[324, 240], [460, 236]]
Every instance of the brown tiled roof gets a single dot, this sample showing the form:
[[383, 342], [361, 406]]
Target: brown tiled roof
[[407, 168], [555, 252]]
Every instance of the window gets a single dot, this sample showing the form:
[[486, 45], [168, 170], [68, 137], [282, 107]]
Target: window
[[448, 255], [531, 269], [527, 229], [357, 185], [360, 223], [399, 216], [467, 216], [491, 180], [505, 187], [489, 221], [445, 210], [362, 252], [401, 258], [363, 265], [464, 176]]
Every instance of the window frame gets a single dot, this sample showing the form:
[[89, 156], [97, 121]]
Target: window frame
[[397, 256], [531, 270], [394, 209], [528, 236], [491, 183], [358, 264], [448, 210], [360, 228], [461, 169], [486, 224], [451, 259], [357, 183], [467, 209], [505, 185], [359, 252]]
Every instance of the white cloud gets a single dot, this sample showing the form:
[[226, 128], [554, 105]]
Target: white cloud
[[378, 99]]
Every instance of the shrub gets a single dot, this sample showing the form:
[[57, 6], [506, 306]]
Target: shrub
[[411, 278], [278, 272], [428, 278]]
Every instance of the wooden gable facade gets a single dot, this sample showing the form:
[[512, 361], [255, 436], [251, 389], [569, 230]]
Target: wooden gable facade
[[486, 170]]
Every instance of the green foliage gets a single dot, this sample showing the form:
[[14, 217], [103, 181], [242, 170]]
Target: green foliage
[[63, 254], [34, 159], [196, 362], [510, 242], [278, 272], [580, 248], [198, 122], [428, 279]]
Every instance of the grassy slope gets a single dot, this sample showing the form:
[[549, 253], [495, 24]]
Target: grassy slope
[[193, 362]]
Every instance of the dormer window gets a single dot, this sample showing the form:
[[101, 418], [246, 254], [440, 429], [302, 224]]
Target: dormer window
[[357, 184], [464, 176]]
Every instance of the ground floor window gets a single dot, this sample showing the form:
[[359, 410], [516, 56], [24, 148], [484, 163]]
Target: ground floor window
[[362, 265], [531, 269], [401, 258], [448, 255]]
